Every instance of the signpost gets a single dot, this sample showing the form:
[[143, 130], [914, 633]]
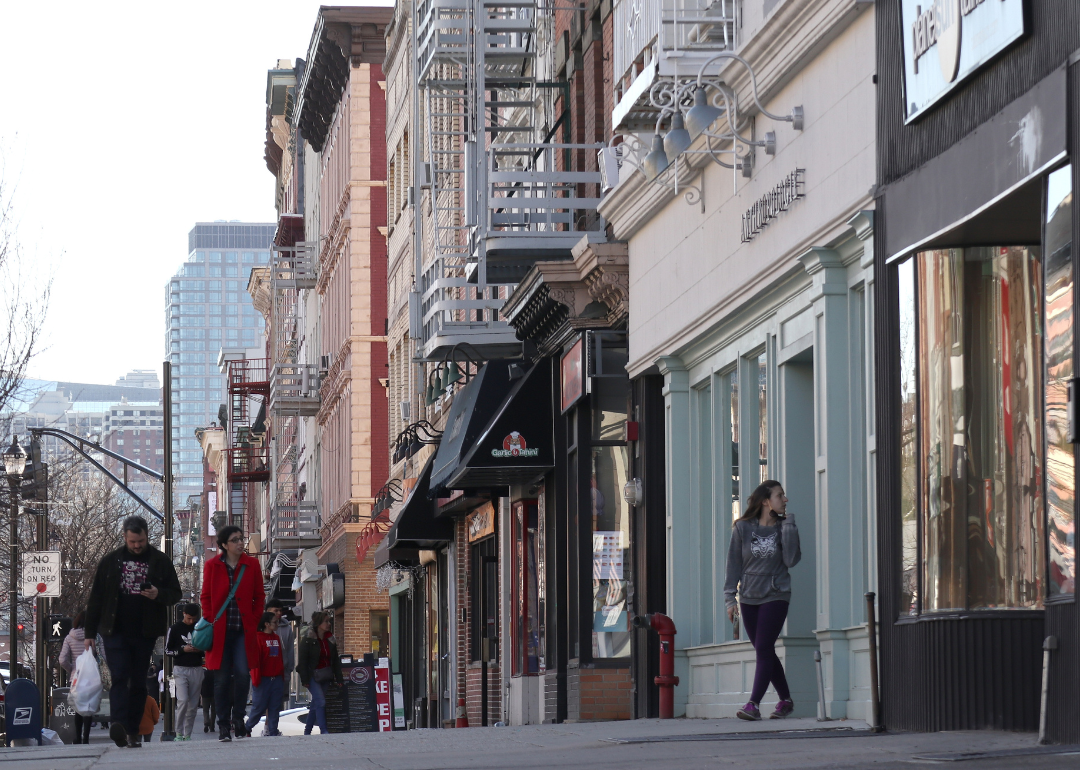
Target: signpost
[[41, 574]]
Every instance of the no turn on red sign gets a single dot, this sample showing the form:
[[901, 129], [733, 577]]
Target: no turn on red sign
[[41, 574]]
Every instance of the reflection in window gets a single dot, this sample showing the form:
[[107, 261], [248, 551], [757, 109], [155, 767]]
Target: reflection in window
[[732, 387], [763, 422], [909, 578], [611, 551], [1060, 461], [980, 427]]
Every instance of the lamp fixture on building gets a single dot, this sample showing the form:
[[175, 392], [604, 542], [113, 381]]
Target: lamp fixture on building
[[691, 108]]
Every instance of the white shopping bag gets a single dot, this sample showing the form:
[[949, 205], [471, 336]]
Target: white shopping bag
[[86, 685], [50, 736]]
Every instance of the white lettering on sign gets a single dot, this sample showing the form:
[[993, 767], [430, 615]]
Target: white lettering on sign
[[41, 574]]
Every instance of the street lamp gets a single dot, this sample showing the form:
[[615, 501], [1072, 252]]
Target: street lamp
[[14, 465]]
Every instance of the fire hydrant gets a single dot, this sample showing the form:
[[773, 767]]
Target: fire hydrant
[[667, 679]]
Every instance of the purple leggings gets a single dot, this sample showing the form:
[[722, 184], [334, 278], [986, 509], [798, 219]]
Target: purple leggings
[[763, 623]]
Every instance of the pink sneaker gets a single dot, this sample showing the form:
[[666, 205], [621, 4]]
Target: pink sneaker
[[783, 709], [749, 712]]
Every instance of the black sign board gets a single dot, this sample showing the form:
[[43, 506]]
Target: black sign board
[[351, 709]]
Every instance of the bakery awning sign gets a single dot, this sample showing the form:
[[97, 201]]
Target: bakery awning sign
[[41, 574]]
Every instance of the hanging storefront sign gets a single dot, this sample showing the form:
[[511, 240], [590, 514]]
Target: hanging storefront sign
[[570, 369], [947, 40], [481, 522]]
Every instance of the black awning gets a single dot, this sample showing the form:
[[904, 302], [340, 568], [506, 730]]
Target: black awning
[[472, 410], [416, 525], [518, 445]]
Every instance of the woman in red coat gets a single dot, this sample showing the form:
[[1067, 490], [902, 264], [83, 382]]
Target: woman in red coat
[[235, 632]]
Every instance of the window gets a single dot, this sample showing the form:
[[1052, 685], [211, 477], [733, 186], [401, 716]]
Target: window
[[232, 296], [214, 285], [200, 256], [525, 645], [230, 256], [248, 257], [731, 404], [215, 256], [379, 623], [197, 271], [972, 521], [610, 552], [484, 600], [215, 271], [231, 270], [192, 309], [232, 286], [1060, 460], [761, 374]]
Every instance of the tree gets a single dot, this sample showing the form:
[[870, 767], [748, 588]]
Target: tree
[[24, 300]]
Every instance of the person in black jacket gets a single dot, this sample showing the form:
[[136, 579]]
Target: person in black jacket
[[129, 606], [188, 670]]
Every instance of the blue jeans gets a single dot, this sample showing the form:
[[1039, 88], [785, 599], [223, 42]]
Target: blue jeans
[[232, 682], [267, 699], [316, 709], [129, 659]]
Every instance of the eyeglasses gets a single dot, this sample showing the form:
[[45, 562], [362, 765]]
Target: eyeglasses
[[236, 540]]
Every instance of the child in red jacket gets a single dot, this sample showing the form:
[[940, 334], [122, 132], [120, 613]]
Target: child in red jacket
[[267, 676]]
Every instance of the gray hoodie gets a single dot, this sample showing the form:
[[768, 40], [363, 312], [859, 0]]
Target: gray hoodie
[[758, 562]]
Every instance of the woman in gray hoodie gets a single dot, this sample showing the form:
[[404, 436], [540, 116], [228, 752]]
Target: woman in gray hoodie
[[764, 545]]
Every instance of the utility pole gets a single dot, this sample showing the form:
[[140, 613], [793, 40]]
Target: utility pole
[[14, 465], [168, 729], [40, 488]]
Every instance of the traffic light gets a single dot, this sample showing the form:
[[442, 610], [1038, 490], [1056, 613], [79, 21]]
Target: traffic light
[[21, 628], [35, 483]]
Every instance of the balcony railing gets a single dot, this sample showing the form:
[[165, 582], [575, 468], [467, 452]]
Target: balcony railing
[[249, 463], [294, 267], [533, 211], [294, 389], [669, 38], [249, 375], [294, 521]]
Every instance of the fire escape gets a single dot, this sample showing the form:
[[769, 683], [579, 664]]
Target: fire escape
[[294, 394], [248, 454], [501, 197]]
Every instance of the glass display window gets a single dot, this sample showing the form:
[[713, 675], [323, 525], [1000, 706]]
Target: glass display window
[[525, 636]]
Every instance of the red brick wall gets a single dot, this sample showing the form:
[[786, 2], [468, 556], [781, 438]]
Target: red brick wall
[[605, 694], [473, 681]]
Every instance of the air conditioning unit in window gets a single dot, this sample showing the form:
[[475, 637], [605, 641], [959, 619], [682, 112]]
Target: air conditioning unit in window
[[324, 366], [610, 160]]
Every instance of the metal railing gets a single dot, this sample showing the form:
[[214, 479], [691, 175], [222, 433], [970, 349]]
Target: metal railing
[[294, 388]]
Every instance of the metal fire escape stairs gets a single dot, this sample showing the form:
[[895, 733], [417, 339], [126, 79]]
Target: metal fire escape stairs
[[294, 394], [499, 198], [248, 456]]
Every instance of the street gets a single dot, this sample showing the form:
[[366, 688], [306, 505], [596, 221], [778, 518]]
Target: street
[[795, 743]]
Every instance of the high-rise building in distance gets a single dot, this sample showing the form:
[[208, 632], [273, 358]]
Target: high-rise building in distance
[[207, 308]]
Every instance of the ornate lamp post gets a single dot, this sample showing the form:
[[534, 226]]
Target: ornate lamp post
[[14, 465]]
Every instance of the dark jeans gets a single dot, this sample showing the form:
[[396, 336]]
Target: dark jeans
[[128, 658], [82, 728], [232, 682], [267, 698], [316, 708], [763, 623]]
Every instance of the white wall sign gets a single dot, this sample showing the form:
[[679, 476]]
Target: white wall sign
[[947, 40], [41, 573]]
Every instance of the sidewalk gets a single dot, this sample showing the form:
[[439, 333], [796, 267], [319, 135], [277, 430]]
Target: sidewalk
[[679, 743]]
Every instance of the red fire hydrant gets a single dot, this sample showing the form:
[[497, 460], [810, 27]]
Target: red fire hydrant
[[667, 679]]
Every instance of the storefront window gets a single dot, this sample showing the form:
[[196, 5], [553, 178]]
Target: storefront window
[[611, 551], [763, 422], [380, 633], [1060, 460], [909, 470], [731, 384], [526, 622], [980, 427]]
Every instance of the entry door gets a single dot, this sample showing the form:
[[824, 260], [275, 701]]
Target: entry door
[[799, 441]]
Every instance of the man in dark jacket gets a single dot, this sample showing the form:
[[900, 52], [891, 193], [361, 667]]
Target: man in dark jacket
[[129, 606]]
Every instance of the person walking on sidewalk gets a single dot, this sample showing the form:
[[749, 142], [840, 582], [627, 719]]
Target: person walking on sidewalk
[[318, 667], [288, 643], [150, 717], [764, 546], [207, 699], [129, 605], [73, 647], [188, 670], [235, 635], [267, 677]]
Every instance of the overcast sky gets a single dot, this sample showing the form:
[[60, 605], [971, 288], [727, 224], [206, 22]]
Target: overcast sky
[[123, 124]]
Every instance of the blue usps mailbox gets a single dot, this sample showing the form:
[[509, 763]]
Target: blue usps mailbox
[[22, 711]]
